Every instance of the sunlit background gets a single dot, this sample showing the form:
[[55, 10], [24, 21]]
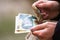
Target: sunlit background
[[8, 10]]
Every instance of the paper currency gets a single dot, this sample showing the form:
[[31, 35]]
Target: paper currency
[[37, 13], [24, 22], [30, 36]]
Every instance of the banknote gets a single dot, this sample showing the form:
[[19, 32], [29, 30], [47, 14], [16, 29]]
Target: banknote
[[24, 22], [30, 36]]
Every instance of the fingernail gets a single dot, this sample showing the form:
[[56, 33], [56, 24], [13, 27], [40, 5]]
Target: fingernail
[[32, 29], [35, 33]]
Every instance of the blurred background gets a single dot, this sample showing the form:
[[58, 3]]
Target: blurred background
[[8, 10]]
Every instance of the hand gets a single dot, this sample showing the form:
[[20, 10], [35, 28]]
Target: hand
[[44, 31], [47, 8]]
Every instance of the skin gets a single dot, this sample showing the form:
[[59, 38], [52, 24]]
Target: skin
[[44, 31], [49, 10]]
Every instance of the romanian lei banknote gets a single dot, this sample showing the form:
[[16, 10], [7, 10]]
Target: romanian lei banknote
[[24, 22]]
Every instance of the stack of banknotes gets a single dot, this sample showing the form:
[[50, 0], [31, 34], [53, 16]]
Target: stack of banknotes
[[23, 23]]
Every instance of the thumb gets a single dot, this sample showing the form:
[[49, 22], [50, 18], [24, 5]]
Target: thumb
[[39, 27], [40, 32], [42, 6], [47, 5]]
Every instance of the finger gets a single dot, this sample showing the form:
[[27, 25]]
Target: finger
[[40, 33], [37, 33], [48, 4], [42, 5], [39, 27], [37, 2]]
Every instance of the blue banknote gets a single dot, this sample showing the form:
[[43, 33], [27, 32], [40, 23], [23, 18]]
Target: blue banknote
[[27, 21], [24, 22]]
